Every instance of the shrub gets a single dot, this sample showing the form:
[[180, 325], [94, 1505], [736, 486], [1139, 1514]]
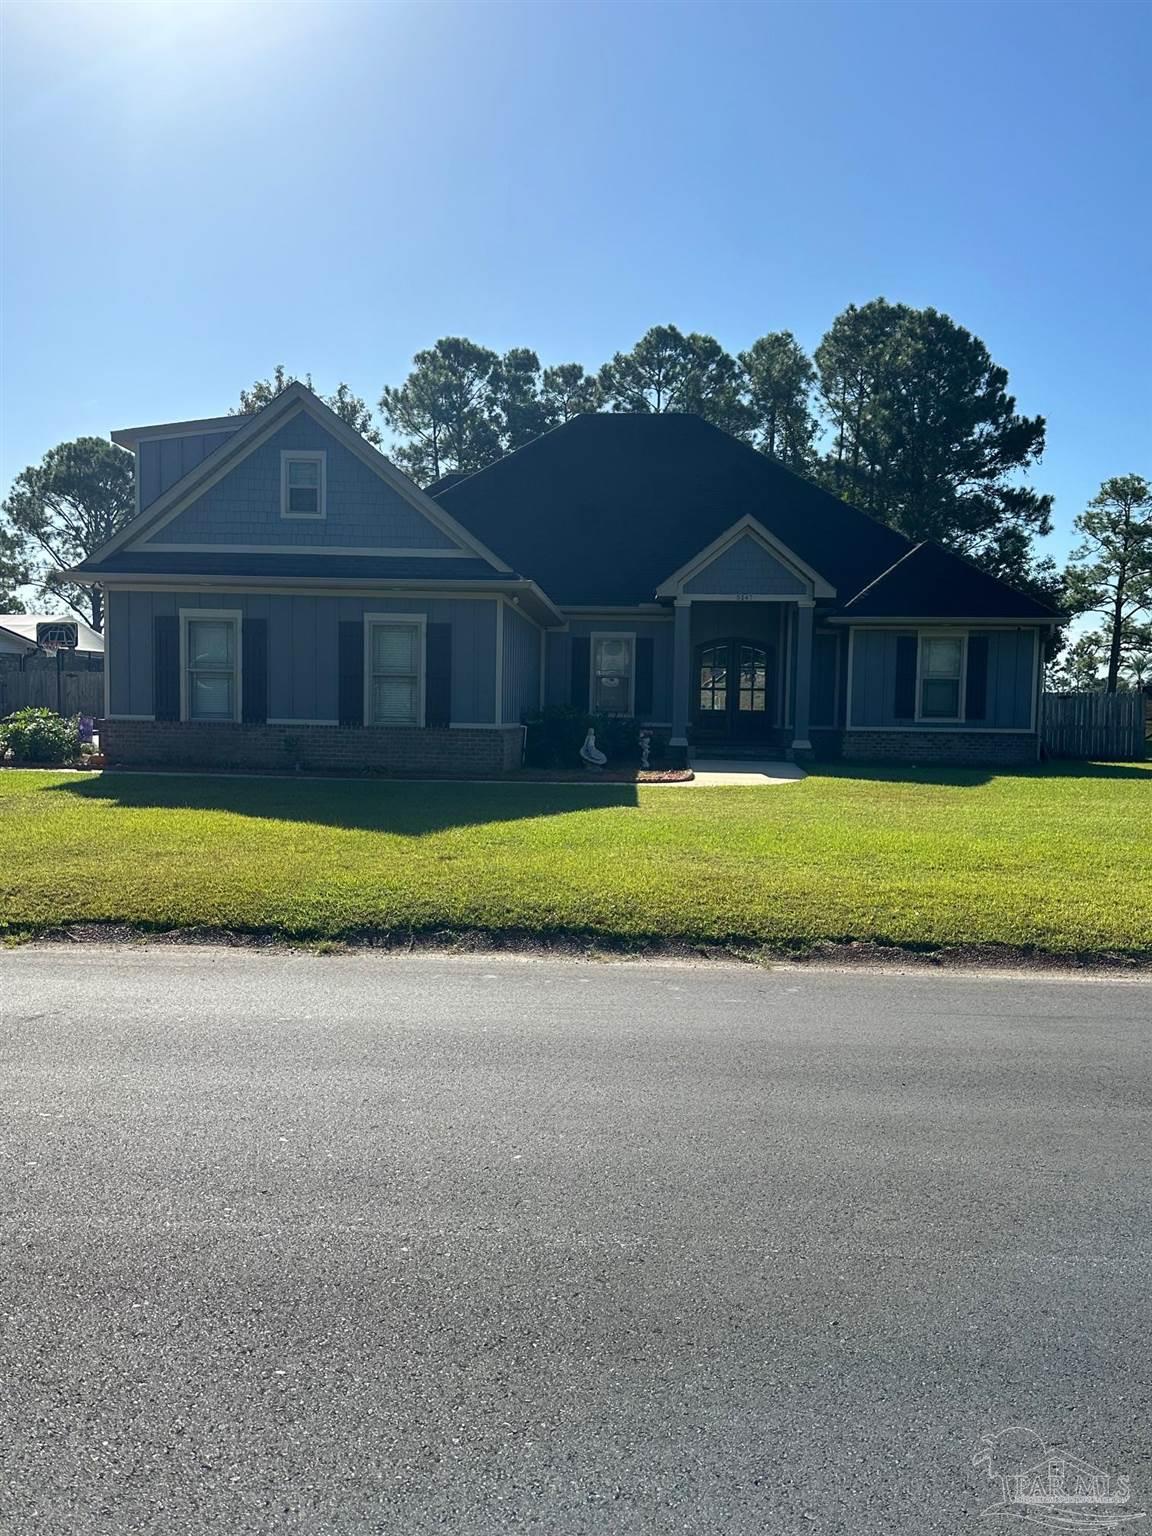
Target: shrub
[[555, 735], [40, 736]]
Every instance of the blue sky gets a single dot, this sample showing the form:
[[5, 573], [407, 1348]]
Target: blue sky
[[192, 193]]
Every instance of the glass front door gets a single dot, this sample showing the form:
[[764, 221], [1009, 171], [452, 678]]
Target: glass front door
[[733, 690]]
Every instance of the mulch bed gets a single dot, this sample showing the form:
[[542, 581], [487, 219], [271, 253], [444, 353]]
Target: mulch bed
[[516, 776]]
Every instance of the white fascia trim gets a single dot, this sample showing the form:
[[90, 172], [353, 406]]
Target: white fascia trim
[[257, 429], [311, 456], [383, 551], [236, 615], [374, 620], [907, 621], [950, 728], [128, 437], [673, 586]]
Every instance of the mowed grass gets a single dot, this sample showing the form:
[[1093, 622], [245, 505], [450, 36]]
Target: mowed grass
[[1059, 860]]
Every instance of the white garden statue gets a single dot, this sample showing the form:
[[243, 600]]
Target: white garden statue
[[590, 754]]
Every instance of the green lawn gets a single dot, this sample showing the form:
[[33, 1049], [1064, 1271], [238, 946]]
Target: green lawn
[[1060, 860]]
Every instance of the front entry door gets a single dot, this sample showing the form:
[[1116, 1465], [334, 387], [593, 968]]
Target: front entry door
[[733, 701]]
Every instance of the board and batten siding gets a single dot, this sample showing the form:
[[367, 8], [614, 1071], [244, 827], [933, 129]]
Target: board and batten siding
[[1011, 680], [303, 680], [558, 666], [161, 461], [521, 663], [363, 511], [746, 566]]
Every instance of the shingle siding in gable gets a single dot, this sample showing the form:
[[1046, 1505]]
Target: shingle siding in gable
[[746, 566], [363, 511]]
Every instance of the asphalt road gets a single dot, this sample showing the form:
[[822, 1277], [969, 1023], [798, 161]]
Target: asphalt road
[[371, 1245]]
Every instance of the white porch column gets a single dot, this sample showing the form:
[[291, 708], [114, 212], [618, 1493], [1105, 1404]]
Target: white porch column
[[681, 668], [803, 695]]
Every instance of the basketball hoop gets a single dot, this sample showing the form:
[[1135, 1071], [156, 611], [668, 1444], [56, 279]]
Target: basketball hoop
[[62, 635]]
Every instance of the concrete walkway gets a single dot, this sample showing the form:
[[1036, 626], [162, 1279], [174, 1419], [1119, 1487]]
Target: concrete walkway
[[711, 772]]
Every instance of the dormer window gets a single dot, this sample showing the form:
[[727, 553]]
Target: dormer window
[[302, 483]]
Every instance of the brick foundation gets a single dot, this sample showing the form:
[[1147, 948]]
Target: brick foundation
[[480, 751], [957, 747]]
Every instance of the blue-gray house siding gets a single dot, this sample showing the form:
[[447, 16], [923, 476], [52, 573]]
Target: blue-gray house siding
[[746, 566], [521, 666], [243, 507], [162, 461], [1010, 692], [303, 679]]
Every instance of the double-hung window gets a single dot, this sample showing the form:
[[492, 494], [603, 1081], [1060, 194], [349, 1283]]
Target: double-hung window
[[211, 666], [302, 487], [394, 671], [941, 676], [613, 674]]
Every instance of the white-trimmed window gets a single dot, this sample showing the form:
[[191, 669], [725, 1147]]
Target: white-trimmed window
[[940, 685], [210, 664], [302, 475], [394, 669], [613, 674]]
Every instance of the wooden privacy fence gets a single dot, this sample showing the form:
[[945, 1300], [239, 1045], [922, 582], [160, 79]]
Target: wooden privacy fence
[[80, 693], [1094, 725]]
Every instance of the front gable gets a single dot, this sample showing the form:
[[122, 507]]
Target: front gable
[[745, 561], [243, 510]]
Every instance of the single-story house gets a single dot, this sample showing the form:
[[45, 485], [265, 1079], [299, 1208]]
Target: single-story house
[[283, 591]]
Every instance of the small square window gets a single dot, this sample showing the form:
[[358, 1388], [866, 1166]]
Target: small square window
[[302, 485]]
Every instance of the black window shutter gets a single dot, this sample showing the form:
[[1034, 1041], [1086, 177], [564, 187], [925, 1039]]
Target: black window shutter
[[438, 675], [645, 660], [166, 667], [976, 682], [581, 671], [904, 704], [351, 664], [254, 691]]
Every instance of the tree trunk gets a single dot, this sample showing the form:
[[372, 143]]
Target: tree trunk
[[1117, 635], [96, 603]]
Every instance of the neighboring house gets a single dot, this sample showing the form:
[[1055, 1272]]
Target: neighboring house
[[285, 593], [20, 634]]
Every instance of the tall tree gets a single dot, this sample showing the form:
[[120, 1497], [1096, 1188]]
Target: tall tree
[[350, 408], [63, 509], [516, 399], [14, 571], [443, 413], [669, 371], [779, 379], [927, 437], [1077, 669], [569, 390], [1111, 569]]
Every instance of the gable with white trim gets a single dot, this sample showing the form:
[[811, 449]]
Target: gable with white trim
[[747, 566], [242, 510]]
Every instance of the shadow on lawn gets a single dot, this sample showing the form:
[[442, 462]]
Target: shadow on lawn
[[972, 778], [385, 805]]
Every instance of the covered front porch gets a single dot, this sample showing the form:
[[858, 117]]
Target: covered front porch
[[742, 676]]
